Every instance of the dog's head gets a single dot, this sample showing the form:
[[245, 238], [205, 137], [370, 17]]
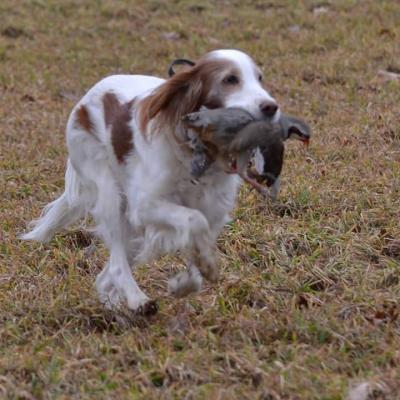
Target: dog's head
[[220, 79]]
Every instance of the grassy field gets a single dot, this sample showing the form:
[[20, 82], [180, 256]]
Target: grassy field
[[308, 305]]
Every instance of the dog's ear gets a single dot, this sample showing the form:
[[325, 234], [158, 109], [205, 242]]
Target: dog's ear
[[176, 97], [179, 61], [184, 93]]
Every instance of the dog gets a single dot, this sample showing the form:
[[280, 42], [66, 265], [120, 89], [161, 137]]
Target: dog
[[226, 123], [129, 168]]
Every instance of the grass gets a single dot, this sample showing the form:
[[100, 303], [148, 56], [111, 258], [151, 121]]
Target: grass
[[308, 304]]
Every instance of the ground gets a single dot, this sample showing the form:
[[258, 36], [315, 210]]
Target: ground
[[308, 304]]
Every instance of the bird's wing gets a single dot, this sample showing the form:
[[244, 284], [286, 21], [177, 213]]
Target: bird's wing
[[223, 120], [256, 134]]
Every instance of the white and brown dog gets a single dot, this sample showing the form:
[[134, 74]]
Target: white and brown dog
[[129, 167]]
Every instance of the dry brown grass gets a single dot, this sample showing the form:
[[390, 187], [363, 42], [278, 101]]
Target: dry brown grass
[[309, 300]]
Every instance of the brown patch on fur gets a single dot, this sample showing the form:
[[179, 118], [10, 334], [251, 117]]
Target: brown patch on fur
[[118, 115], [83, 119], [184, 93]]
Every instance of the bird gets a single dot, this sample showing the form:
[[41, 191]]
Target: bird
[[214, 130], [234, 134]]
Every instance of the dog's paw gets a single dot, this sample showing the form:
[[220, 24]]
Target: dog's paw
[[184, 283], [204, 257], [211, 273], [209, 269], [147, 309], [143, 306]]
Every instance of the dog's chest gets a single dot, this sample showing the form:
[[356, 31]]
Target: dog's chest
[[213, 194]]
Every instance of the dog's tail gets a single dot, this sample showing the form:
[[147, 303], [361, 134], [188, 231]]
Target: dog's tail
[[64, 211]]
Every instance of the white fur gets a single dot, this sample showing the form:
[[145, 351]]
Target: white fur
[[148, 205]]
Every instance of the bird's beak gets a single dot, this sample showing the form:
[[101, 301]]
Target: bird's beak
[[305, 140]]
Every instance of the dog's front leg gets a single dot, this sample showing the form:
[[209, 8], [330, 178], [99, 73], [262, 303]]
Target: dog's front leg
[[203, 256], [171, 227]]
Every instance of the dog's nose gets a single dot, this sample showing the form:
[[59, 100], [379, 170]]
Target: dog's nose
[[269, 108]]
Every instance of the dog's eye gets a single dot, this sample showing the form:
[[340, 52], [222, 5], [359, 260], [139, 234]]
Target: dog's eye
[[231, 80]]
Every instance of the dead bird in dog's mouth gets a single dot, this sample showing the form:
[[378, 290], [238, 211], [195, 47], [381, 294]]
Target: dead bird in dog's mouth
[[233, 135]]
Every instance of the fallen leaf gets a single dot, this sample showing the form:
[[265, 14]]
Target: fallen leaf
[[359, 391], [388, 313], [392, 249], [28, 97], [320, 10], [68, 95], [294, 29], [388, 75], [171, 36], [387, 32], [367, 391]]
